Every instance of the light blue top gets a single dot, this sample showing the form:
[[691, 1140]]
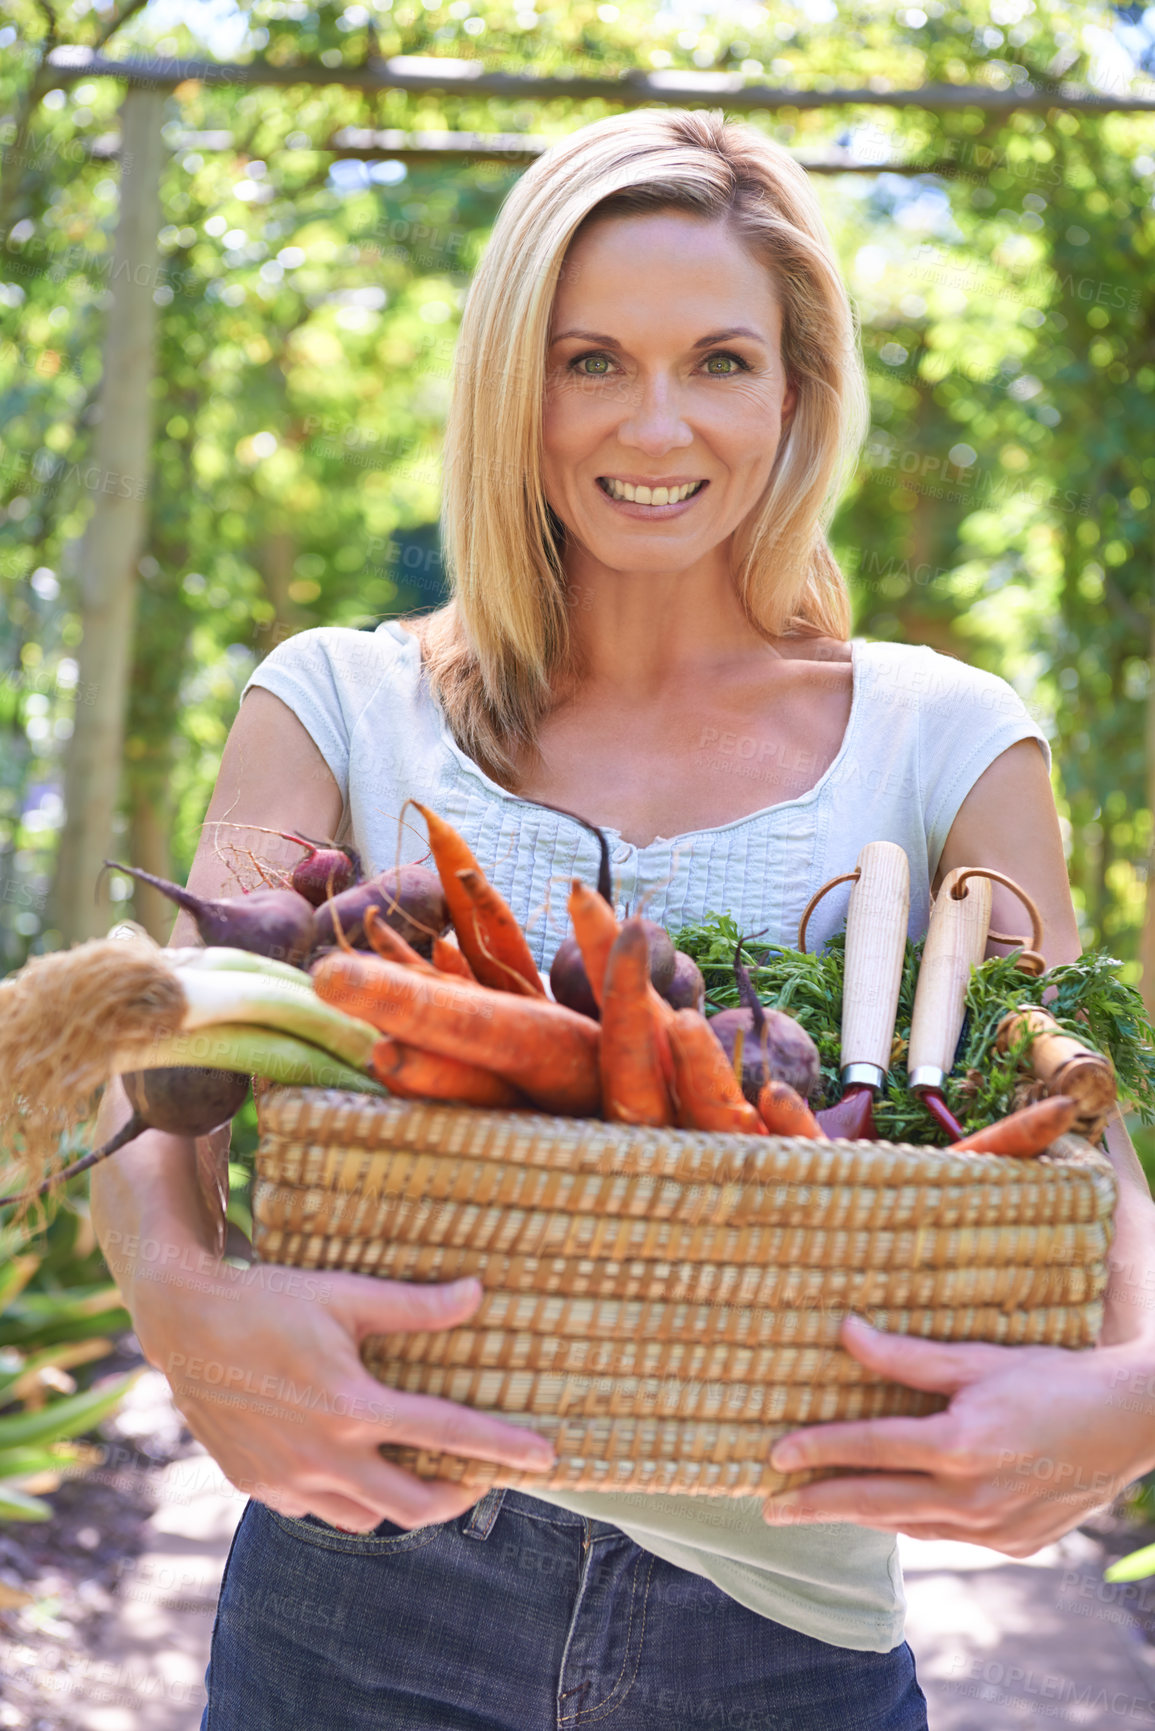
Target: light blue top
[[923, 727]]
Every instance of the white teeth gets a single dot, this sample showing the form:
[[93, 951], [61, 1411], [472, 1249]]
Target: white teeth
[[650, 495]]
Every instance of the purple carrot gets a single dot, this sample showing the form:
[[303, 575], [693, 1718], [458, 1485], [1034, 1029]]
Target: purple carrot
[[409, 898], [276, 923]]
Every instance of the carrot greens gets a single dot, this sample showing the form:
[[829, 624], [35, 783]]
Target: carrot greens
[[1087, 998]]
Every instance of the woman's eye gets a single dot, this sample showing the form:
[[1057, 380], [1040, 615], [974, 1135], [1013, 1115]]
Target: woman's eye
[[598, 370], [722, 365], [733, 364]]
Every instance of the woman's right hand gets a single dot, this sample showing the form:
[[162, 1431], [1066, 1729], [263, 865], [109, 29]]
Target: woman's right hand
[[265, 1361], [264, 1364]]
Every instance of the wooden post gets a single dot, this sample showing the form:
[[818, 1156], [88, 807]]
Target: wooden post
[[118, 477], [1147, 936]]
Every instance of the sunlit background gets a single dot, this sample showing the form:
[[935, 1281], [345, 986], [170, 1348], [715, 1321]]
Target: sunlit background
[[1001, 510]]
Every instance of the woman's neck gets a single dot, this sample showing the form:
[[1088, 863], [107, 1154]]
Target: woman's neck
[[641, 632]]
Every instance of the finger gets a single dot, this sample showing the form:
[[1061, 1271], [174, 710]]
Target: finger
[[412, 1502], [889, 1501], [939, 1365], [373, 1306], [291, 1507], [880, 1444], [427, 1421], [445, 1502], [347, 1513], [359, 1504], [1007, 1542]]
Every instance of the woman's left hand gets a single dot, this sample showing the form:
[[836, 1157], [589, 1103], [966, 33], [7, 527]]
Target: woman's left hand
[[1033, 1439]]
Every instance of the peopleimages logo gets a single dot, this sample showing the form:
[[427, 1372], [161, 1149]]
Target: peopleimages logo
[[991, 1681], [931, 264]]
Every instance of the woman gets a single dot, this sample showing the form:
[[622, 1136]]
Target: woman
[[658, 393]]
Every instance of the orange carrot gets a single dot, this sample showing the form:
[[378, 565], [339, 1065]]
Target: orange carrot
[[448, 959], [499, 939], [414, 1074], [662, 1014], [634, 1087], [490, 937], [595, 929], [390, 944], [547, 1051], [1025, 1132], [706, 1092], [785, 1113]]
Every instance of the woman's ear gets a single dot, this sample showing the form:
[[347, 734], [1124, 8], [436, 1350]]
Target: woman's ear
[[789, 404]]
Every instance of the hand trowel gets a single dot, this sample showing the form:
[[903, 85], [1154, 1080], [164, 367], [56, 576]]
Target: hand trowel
[[876, 924], [956, 942]]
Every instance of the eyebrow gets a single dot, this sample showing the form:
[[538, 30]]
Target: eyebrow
[[607, 342]]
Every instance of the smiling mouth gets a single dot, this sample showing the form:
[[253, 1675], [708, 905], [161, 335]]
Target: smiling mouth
[[626, 491]]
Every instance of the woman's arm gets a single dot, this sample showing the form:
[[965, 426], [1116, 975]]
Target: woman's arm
[[273, 776], [1034, 1437], [264, 1361], [1008, 823]]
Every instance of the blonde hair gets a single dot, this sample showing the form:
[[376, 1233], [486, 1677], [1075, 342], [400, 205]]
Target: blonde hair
[[493, 651]]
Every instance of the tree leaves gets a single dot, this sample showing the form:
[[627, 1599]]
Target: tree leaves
[[307, 325]]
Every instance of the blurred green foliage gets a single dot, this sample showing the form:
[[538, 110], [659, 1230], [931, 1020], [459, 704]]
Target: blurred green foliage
[[59, 1312], [309, 303]]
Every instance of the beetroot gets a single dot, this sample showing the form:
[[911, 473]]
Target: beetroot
[[775, 1048], [569, 981], [410, 899], [326, 870], [687, 988], [185, 1100], [663, 955], [571, 986], [784, 1052], [277, 923]]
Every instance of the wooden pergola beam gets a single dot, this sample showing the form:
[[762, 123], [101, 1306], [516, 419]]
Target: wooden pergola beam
[[513, 150], [67, 64]]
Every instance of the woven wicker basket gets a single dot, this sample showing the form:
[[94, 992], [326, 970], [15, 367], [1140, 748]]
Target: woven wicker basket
[[662, 1304]]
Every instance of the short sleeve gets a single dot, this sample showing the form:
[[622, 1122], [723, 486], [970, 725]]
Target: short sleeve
[[327, 677], [967, 718]]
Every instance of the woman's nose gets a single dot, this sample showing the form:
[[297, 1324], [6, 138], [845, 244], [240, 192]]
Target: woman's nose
[[653, 422]]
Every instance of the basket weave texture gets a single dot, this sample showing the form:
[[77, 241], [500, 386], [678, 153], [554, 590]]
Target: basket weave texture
[[662, 1304]]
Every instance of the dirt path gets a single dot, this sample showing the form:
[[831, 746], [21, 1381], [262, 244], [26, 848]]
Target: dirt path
[[117, 1635], [1002, 1646], [154, 1651]]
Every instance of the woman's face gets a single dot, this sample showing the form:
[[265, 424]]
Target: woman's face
[[664, 371]]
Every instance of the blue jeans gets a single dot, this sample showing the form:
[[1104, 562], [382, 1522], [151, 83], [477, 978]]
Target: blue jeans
[[516, 1616]]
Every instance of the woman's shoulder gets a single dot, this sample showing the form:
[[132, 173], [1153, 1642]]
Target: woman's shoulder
[[915, 676], [340, 649], [338, 671]]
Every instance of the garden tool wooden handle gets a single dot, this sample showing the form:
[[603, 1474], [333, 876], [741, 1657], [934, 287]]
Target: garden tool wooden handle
[[1065, 1065], [876, 924], [956, 941]]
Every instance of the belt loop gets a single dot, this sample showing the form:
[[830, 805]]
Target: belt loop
[[484, 1513]]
